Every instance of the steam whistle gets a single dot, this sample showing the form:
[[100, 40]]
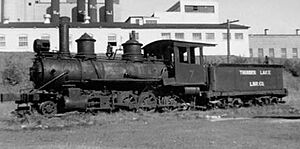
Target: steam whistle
[[109, 51]]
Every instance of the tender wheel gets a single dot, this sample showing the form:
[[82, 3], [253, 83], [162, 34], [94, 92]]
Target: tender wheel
[[274, 100], [237, 103], [48, 108], [267, 101], [147, 101], [258, 102]]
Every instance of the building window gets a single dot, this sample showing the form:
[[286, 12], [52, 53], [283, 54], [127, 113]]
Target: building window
[[45, 37], [166, 35], [179, 35], [23, 41], [283, 53], [239, 36], [112, 39], [225, 36], [201, 9], [251, 52], [151, 21], [260, 52], [197, 36], [2, 41], [271, 52], [137, 21], [210, 36], [295, 53]]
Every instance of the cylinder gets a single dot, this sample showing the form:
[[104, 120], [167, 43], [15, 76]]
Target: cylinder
[[80, 10], [86, 46], [64, 36], [92, 9], [55, 11], [109, 11]]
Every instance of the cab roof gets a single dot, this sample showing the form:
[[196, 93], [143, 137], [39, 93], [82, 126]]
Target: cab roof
[[161, 45]]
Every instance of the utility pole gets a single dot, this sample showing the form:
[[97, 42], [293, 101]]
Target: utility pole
[[228, 37]]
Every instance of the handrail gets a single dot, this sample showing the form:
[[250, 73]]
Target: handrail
[[54, 79]]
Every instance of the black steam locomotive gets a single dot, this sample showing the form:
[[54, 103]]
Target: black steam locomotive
[[169, 74]]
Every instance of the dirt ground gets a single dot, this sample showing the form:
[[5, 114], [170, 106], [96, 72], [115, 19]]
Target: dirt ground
[[182, 129]]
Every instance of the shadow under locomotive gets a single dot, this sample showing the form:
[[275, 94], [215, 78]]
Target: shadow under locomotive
[[169, 74]]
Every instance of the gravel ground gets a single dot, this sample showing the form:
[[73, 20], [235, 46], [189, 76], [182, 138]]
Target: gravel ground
[[182, 129]]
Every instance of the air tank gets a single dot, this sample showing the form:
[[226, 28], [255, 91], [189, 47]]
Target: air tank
[[109, 11], [80, 10], [55, 11], [92, 9]]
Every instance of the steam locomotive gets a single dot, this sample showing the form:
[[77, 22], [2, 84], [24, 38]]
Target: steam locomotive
[[169, 74]]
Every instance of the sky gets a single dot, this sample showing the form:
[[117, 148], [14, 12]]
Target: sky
[[279, 16]]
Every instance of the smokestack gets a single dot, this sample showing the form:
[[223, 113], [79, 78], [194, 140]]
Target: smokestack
[[80, 10], [92, 9], [297, 31], [109, 11], [266, 31], [64, 36], [55, 11]]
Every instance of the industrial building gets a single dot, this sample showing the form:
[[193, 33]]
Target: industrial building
[[23, 21], [274, 45]]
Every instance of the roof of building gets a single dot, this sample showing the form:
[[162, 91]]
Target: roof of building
[[175, 7], [151, 17], [273, 35], [123, 25]]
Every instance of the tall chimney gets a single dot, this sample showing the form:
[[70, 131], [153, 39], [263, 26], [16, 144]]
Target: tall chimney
[[55, 11], [109, 11], [92, 9], [64, 36], [266, 31], [80, 10]]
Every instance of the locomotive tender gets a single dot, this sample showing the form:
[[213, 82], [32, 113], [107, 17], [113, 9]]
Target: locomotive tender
[[168, 74]]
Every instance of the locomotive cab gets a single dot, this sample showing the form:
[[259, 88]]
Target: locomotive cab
[[183, 59]]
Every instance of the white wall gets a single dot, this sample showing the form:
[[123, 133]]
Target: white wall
[[276, 42], [12, 38], [190, 17], [238, 47], [185, 18]]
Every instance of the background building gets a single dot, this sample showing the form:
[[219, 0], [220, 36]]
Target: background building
[[189, 20], [274, 45]]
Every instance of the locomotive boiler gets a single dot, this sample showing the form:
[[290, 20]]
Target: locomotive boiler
[[168, 74]]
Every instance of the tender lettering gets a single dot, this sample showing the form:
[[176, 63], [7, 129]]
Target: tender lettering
[[265, 72], [247, 72], [256, 83]]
